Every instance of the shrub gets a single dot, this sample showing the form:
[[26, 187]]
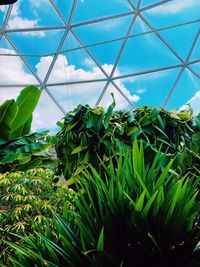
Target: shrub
[[20, 149], [139, 215], [25, 198], [88, 134]]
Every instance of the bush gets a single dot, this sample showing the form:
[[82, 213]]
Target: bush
[[21, 150], [27, 199], [89, 134], [138, 215]]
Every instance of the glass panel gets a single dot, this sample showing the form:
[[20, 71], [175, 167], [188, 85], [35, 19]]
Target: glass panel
[[139, 27], [173, 12], [144, 53], [36, 44], [8, 93], [196, 67], [64, 7], [30, 14], [46, 114], [75, 66], [152, 89], [121, 102], [149, 2], [186, 88], [196, 51], [3, 10], [12, 68], [176, 37], [107, 54], [70, 96], [102, 31], [97, 10]]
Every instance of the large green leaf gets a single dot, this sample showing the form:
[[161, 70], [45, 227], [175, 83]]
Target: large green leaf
[[22, 130], [8, 112], [26, 101]]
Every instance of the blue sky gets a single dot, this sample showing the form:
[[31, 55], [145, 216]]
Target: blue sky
[[142, 52]]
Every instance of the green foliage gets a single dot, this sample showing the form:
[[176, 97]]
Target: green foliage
[[89, 134], [20, 149], [137, 215], [16, 116], [27, 199], [26, 152]]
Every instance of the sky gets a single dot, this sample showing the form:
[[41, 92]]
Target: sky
[[139, 54]]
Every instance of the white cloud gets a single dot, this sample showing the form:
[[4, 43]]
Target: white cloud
[[20, 23], [3, 8], [195, 103], [15, 9], [37, 3], [140, 91], [47, 114], [17, 21], [174, 7]]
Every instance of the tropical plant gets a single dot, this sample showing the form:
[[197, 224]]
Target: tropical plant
[[27, 198], [139, 215], [20, 149], [89, 134]]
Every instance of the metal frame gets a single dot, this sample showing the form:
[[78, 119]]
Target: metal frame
[[68, 26]]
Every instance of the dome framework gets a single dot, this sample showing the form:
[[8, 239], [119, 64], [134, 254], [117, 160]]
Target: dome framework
[[136, 11]]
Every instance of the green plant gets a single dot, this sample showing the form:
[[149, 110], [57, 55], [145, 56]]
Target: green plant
[[16, 116], [25, 198], [20, 149], [89, 134], [138, 215]]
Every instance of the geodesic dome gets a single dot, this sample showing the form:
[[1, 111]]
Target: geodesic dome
[[145, 51]]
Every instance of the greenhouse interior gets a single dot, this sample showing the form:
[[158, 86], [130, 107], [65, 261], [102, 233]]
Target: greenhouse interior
[[99, 133]]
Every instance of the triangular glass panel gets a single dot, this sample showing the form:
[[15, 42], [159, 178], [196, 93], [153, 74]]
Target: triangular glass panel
[[69, 96], [147, 86], [106, 54], [65, 7], [105, 8], [103, 31], [186, 88], [46, 114], [75, 66], [196, 51], [35, 46], [172, 12], [32, 14], [145, 53], [176, 37]]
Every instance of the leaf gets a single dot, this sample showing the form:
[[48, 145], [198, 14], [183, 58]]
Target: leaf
[[197, 121], [100, 243], [92, 121], [109, 113], [26, 102], [132, 131], [8, 112], [139, 203], [77, 150], [23, 130]]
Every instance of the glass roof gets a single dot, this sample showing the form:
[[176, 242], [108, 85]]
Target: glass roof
[[147, 52]]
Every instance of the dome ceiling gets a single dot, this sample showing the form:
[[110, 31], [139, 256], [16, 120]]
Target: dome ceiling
[[146, 52]]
